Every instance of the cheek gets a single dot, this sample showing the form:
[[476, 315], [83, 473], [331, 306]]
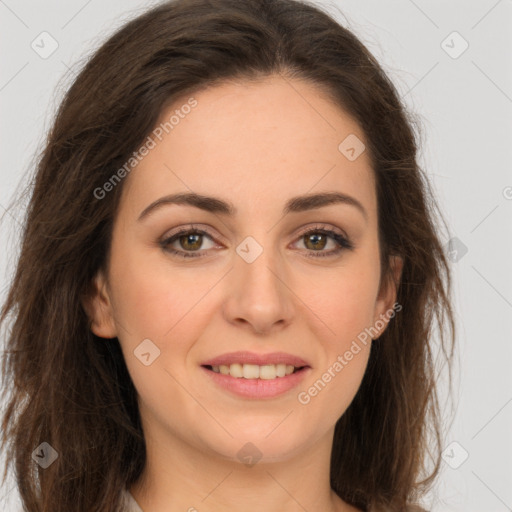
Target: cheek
[[344, 302], [150, 300], [332, 388], [346, 305], [168, 307]]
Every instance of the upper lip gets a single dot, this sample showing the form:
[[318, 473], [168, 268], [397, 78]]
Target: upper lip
[[245, 357]]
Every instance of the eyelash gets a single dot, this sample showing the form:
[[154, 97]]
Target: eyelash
[[343, 242]]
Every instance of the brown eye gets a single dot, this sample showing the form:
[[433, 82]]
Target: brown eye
[[315, 241], [191, 242], [187, 243]]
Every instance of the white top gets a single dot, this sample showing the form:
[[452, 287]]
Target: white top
[[129, 504]]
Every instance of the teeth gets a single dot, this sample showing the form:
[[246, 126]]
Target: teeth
[[253, 371]]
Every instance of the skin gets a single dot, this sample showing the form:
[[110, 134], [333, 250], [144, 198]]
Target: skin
[[256, 145]]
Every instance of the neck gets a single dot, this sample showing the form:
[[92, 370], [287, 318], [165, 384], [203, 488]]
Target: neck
[[182, 477]]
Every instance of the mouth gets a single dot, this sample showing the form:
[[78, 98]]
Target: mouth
[[254, 375], [253, 371], [250, 381]]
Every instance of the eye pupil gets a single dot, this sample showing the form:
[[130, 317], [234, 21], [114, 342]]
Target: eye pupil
[[189, 239], [315, 238]]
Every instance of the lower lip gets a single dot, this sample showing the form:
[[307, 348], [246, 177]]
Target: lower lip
[[258, 388]]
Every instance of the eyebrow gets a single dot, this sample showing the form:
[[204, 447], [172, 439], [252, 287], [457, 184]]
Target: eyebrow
[[219, 206]]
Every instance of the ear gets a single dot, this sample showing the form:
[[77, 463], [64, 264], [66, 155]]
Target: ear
[[98, 307], [387, 296]]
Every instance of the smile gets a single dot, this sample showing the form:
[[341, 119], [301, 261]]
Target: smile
[[256, 382], [254, 371]]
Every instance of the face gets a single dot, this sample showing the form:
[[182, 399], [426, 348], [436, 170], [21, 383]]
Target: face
[[259, 269]]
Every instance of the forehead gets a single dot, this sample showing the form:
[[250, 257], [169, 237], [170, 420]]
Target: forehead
[[258, 142]]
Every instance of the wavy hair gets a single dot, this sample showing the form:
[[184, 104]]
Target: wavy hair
[[71, 389]]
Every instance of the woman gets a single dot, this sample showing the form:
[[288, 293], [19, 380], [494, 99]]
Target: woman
[[229, 277]]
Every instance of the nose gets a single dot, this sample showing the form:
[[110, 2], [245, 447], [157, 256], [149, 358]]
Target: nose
[[258, 297]]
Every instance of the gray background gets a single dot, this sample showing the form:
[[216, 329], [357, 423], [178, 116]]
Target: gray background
[[464, 101]]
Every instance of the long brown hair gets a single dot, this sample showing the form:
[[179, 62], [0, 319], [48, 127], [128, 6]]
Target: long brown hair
[[72, 390]]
